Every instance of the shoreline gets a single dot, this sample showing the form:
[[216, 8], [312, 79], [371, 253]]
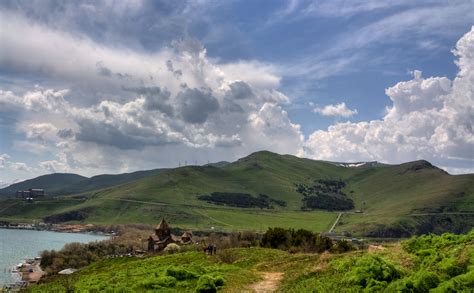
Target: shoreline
[[28, 271], [88, 229]]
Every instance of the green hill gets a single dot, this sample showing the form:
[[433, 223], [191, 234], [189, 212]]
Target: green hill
[[52, 183], [65, 183], [389, 200]]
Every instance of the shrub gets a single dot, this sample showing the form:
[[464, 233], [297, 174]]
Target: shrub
[[181, 273], [166, 281], [342, 246], [206, 284], [461, 283], [227, 256], [209, 283], [369, 271], [421, 281], [276, 238]]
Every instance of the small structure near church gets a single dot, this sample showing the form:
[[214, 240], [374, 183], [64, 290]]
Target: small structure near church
[[163, 237]]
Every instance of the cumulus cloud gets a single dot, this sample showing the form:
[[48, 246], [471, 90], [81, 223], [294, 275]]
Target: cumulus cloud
[[141, 103], [3, 160], [20, 167], [143, 109], [7, 164], [196, 105], [54, 166], [430, 118], [338, 110]]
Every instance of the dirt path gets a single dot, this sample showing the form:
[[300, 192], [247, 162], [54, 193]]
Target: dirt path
[[335, 223], [270, 282]]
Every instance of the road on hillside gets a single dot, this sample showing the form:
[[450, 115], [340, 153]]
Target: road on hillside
[[335, 222]]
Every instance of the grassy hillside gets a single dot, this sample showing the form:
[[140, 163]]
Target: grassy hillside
[[63, 183], [52, 183], [396, 200], [439, 263]]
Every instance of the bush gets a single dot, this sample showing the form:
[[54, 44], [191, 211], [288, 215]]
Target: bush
[[156, 283], [421, 281], [298, 241], [342, 246], [206, 285], [461, 283], [181, 273], [276, 238], [372, 271], [209, 283], [227, 256]]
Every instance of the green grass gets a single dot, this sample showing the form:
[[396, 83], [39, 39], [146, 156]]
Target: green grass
[[440, 263], [388, 195]]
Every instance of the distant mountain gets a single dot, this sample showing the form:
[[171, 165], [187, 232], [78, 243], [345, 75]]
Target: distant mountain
[[266, 189], [52, 183], [65, 183]]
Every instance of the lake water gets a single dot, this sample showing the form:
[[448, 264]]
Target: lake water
[[16, 245]]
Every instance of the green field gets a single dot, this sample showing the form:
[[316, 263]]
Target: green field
[[388, 196], [439, 263]]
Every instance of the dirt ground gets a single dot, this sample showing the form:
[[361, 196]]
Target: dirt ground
[[270, 282]]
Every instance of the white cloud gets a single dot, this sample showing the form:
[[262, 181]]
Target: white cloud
[[175, 98], [20, 167], [338, 110], [430, 118], [8, 165], [3, 160], [54, 166]]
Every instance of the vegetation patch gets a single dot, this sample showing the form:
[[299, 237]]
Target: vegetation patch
[[301, 241], [78, 215], [430, 263], [326, 195], [241, 200]]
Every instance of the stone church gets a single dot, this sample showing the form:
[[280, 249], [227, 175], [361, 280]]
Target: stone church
[[163, 237]]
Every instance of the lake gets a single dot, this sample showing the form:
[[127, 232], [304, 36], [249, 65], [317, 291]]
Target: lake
[[16, 245]]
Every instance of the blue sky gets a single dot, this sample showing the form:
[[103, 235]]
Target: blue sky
[[117, 86]]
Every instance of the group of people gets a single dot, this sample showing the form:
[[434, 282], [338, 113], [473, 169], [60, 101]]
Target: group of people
[[210, 249]]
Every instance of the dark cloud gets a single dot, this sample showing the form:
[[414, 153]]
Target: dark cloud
[[196, 105], [156, 99], [105, 71], [102, 70], [109, 22], [239, 90], [177, 73], [119, 135], [65, 133]]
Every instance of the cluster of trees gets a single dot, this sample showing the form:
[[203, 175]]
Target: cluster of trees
[[78, 215], [77, 255], [325, 194], [301, 241], [241, 200]]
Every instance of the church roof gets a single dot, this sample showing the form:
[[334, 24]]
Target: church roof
[[187, 234], [163, 225]]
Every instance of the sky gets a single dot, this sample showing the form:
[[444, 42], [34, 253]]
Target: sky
[[93, 87]]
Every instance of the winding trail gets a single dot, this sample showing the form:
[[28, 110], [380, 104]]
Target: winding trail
[[270, 282]]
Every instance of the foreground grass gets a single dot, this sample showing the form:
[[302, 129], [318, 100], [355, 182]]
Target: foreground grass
[[427, 263]]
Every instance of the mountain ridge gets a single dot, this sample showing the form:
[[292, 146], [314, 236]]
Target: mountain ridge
[[386, 195]]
